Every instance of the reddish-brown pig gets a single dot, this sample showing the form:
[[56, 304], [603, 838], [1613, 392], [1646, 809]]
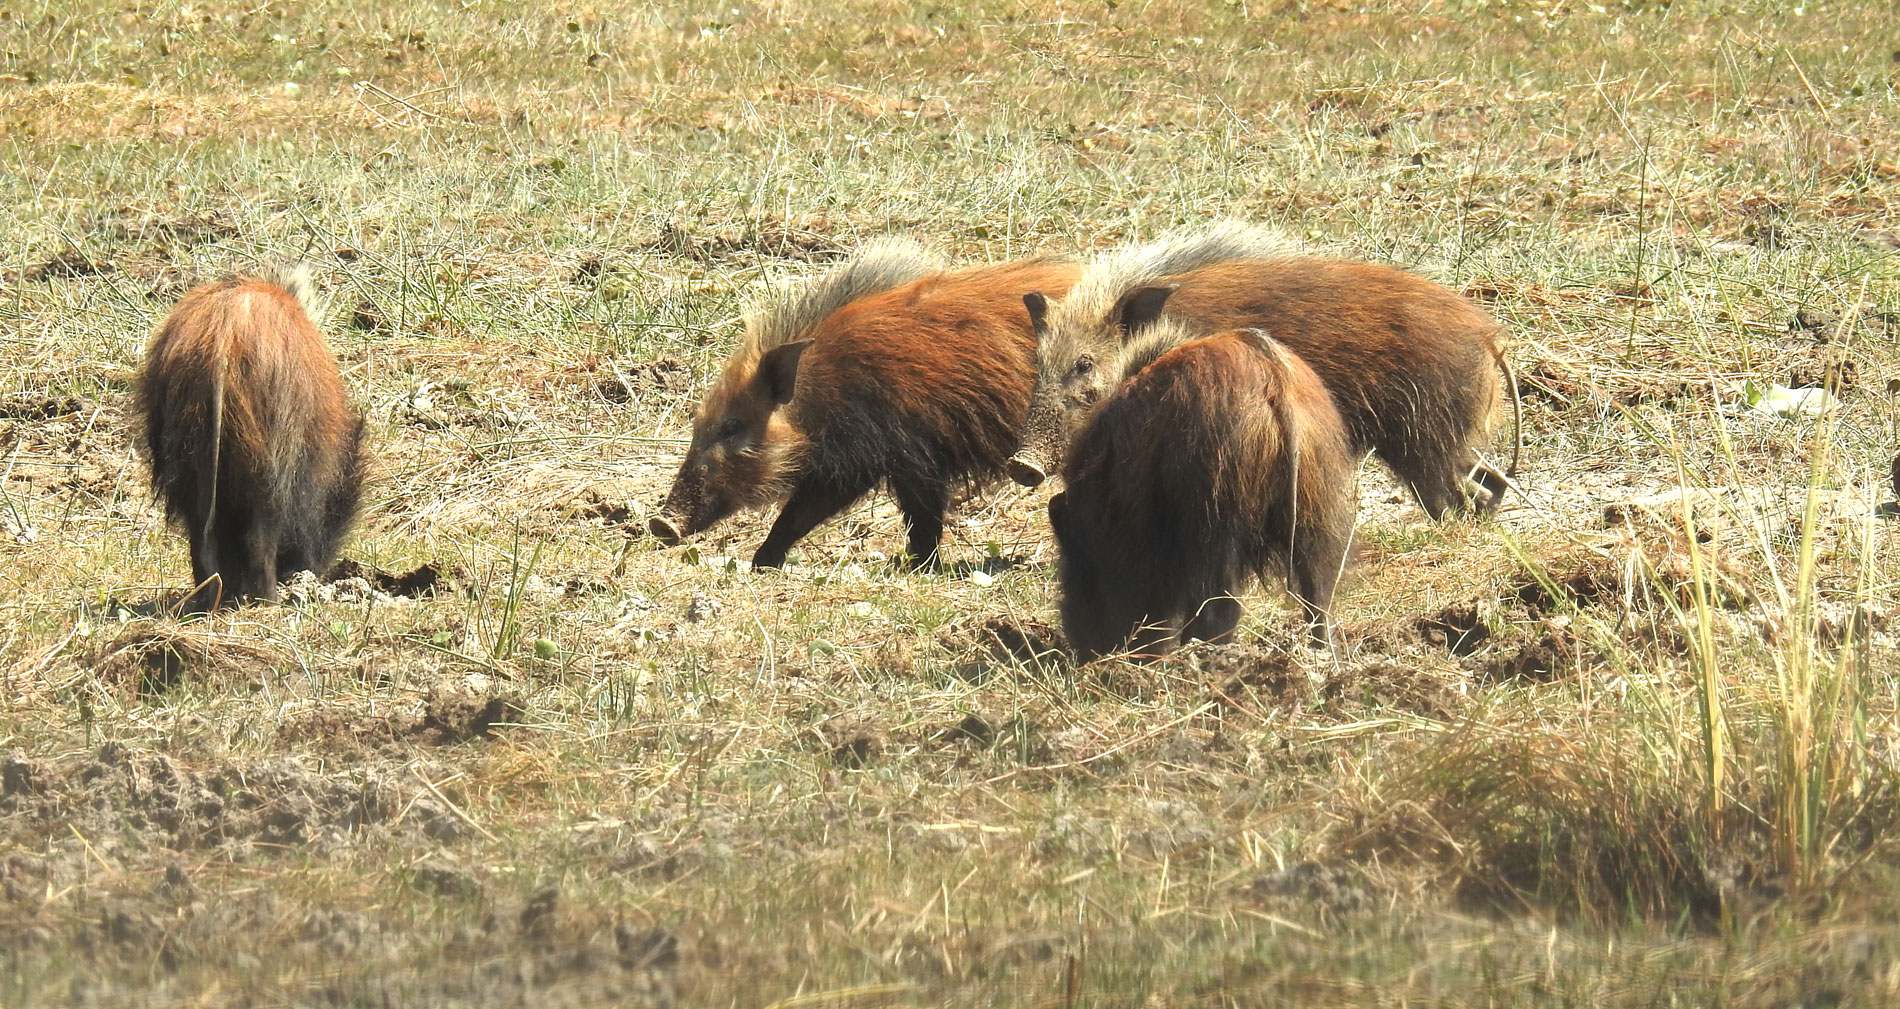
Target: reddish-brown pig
[[253, 445], [1214, 459], [1413, 368], [888, 370]]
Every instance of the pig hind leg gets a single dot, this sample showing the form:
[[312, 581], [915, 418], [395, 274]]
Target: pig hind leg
[[1153, 639], [1214, 621], [237, 561], [923, 505], [263, 538], [812, 502], [204, 571], [1316, 563], [248, 545]]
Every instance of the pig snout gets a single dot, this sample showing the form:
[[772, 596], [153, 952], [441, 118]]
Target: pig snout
[[1025, 469], [665, 529]]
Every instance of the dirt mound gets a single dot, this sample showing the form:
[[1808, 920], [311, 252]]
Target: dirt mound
[[148, 661], [68, 264], [665, 376], [1460, 630], [973, 729], [131, 806], [454, 716], [449, 716], [1254, 677], [1326, 891], [851, 741], [1822, 325], [1007, 639], [755, 241], [41, 408], [368, 317], [425, 580], [1551, 655], [614, 501], [181, 232], [1580, 586], [1385, 683], [345, 729]]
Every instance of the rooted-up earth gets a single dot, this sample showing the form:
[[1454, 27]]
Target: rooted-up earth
[[1632, 742]]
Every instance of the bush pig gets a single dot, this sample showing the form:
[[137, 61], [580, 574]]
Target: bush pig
[[253, 445], [1214, 458], [1409, 363], [888, 370]]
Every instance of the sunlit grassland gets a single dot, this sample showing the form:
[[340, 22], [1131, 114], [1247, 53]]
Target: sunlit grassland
[[701, 785]]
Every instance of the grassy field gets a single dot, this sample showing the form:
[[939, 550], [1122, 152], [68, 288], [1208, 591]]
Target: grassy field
[[1635, 742]]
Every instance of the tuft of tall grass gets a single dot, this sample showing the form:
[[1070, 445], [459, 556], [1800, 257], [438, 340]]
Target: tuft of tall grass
[[1745, 774]]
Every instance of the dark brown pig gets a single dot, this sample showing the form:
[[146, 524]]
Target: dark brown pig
[[1412, 366], [1211, 462], [885, 371], [253, 445]]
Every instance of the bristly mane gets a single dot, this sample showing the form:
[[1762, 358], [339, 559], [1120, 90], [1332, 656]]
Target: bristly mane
[[1081, 315], [879, 265]]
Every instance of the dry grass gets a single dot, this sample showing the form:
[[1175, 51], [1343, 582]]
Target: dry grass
[[1606, 750]]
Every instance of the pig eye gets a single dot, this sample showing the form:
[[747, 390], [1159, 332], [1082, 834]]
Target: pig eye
[[729, 427], [1084, 366]]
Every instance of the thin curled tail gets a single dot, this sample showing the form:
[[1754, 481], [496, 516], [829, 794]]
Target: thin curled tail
[[1493, 482], [1288, 419], [217, 440], [1517, 414]]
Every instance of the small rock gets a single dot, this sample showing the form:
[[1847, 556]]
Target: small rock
[[703, 607], [445, 880]]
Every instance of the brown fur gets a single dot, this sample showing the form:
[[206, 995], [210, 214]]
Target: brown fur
[[253, 446], [1212, 461], [919, 386], [1409, 363]]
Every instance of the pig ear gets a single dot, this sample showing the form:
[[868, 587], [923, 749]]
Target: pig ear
[[778, 370], [1038, 306], [1140, 307]]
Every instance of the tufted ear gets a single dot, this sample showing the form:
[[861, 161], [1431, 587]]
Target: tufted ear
[[778, 370], [1038, 306], [1139, 308]]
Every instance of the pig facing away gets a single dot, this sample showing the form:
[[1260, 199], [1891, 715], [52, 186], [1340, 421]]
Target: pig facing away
[[253, 445], [1216, 460], [1413, 368], [888, 370]]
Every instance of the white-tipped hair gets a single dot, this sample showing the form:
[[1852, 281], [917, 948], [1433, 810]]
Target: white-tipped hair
[[879, 265], [296, 278], [1114, 274]]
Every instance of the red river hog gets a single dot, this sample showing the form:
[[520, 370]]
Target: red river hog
[[1413, 367], [253, 445], [888, 370], [1216, 460]]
